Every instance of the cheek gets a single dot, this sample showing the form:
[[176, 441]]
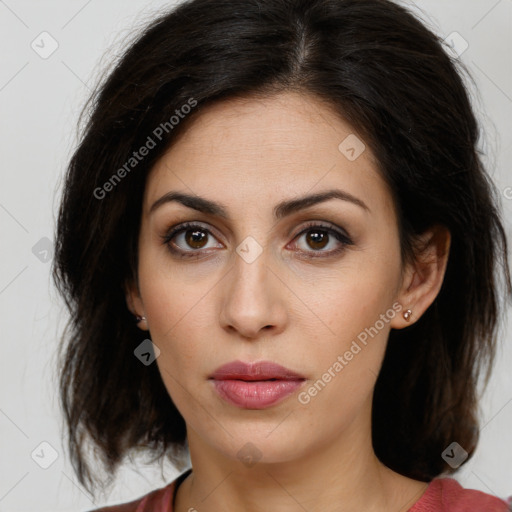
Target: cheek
[[175, 319], [348, 361], [343, 303], [355, 307], [167, 296], [177, 309]]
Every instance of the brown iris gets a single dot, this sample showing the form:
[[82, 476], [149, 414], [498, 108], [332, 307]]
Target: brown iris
[[317, 239], [196, 238]]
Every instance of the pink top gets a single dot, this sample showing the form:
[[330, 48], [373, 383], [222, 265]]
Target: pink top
[[442, 495]]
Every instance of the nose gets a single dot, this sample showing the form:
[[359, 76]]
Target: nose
[[254, 299]]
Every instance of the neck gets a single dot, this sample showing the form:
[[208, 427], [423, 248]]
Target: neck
[[340, 476]]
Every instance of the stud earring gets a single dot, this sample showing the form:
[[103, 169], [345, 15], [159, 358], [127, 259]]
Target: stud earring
[[139, 319], [407, 315]]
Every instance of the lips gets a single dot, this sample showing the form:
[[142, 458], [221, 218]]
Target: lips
[[263, 370], [255, 385]]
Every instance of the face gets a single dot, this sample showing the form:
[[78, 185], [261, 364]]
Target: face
[[313, 287]]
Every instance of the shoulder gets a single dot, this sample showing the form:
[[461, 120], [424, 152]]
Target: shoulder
[[159, 500], [447, 495], [148, 502]]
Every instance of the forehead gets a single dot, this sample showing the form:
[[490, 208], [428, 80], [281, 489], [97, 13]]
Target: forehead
[[247, 151]]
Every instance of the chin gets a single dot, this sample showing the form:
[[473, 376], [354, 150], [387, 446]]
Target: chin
[[256, 446]]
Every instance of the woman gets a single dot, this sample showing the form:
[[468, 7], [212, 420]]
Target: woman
[[286, 196]]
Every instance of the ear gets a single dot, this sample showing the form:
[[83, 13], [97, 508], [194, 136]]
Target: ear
[[134, 302], [423, 277]]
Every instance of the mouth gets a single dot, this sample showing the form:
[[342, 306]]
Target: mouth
[[255, 385], [262, 370]]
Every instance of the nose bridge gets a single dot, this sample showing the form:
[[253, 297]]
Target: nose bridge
[[251, 264], [252, 300]]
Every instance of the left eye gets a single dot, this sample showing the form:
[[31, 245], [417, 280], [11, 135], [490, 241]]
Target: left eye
[[319, 236], [196, 237]]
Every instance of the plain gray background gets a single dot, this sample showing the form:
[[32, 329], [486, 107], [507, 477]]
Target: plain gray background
[[40, 98]]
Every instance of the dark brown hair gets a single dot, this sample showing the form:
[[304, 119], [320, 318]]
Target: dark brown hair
[[390, 78]]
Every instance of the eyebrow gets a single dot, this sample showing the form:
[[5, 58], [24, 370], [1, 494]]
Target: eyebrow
[[281, 210]]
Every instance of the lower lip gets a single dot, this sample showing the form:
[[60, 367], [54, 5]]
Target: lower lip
[[257, 394]]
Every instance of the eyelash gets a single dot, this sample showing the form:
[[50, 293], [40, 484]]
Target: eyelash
[[187, 226]]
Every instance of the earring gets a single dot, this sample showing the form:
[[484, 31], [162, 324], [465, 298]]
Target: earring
[[407, 315], [139, 319]]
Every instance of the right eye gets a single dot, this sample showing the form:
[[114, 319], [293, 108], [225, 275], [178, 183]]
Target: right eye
[[188, 239]]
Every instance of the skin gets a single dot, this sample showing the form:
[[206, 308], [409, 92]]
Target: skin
[[250, 154]]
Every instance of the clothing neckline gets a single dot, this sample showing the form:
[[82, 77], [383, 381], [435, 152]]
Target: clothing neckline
[[426, 495], [177, 483], [428, 501]]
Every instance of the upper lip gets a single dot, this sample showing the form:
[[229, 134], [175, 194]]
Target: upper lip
[[262, 370]]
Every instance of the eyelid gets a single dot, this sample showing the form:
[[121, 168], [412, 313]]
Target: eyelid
[[323, 225]]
